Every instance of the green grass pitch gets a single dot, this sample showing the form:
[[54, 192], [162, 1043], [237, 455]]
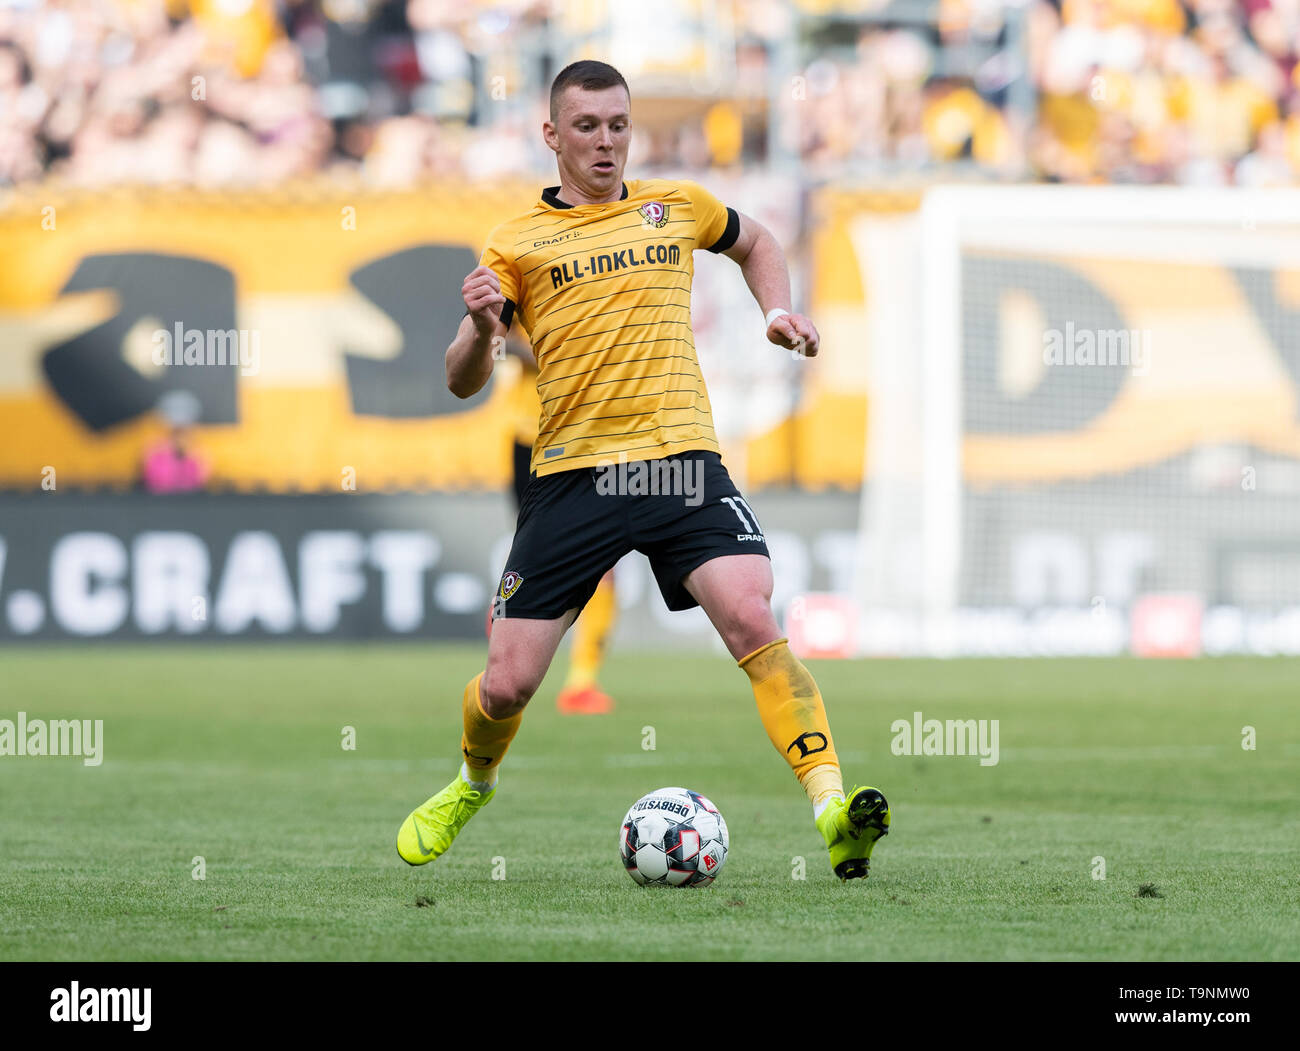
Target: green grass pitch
[[235, 755]]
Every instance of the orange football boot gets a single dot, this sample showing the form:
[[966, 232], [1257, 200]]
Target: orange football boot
[[584, 700]]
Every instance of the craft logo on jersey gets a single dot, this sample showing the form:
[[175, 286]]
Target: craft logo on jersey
[[655, 213], [510, 583]]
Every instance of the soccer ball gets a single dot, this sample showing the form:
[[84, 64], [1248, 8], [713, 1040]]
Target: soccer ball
[[673, 837]]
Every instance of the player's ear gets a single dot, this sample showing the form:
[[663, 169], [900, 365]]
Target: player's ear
[[550, 137]]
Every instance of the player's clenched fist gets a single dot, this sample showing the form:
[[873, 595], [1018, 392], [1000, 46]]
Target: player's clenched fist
[[794, 332], [483, 299]]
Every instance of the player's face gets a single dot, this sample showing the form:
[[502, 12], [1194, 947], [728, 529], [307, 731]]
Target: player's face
[[590, 140]]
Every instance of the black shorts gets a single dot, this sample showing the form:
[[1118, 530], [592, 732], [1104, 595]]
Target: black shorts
[[573, 526]]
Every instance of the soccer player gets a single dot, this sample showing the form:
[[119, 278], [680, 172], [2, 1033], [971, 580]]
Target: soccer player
[[599, 274], [581, 693]]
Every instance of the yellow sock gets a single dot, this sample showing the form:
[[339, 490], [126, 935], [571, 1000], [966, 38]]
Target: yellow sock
[[794, 717], [590, 635], [485, 739]]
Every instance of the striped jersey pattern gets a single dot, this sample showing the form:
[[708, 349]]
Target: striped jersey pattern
[[604, 293]]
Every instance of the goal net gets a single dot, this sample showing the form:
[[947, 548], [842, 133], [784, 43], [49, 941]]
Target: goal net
[[1084, 432]]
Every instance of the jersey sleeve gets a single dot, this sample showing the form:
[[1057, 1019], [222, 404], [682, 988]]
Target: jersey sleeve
[[716, 225], [499, 255]]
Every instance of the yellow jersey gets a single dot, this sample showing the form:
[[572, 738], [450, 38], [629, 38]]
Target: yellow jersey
[[521, 403], [604, 293]]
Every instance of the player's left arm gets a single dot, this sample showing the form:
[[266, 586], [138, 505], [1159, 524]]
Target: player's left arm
[[762, 261]]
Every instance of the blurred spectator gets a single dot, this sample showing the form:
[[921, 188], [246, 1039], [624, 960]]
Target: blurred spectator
[[171, 465], [223, 93]]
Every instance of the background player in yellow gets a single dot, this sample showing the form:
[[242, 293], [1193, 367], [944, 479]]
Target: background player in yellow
[[599, 273], [581, 693]]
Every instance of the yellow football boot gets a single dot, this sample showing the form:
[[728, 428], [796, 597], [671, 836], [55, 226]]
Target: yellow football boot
[[427, 833], [851, 827]]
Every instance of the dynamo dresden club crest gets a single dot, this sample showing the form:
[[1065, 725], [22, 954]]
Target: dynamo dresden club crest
[[655, 213]]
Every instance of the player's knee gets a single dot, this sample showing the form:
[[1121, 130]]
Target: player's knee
[[503, 694], [750, 623]]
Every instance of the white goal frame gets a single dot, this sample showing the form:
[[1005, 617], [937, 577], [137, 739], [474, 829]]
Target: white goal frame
[[1188, 225]]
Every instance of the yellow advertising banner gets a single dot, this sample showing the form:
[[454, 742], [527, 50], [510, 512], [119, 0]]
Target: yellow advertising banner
[[315, 320], [313, 323]]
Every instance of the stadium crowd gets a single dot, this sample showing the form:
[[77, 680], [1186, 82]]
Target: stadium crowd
[[253, 92]]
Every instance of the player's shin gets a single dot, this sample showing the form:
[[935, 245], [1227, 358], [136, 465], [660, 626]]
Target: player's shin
[[794, 717], [485, 740]]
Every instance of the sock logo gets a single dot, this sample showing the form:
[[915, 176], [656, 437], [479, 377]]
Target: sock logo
[[804, 750], [476, 760]]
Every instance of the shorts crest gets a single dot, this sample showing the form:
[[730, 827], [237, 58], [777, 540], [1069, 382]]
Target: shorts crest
[[510, 583]]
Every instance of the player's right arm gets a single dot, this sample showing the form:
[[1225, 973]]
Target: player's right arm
[[469, 358]]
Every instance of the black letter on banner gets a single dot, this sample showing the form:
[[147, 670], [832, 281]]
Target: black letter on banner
[[88, 372], [418, 288], [1069, 396]]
